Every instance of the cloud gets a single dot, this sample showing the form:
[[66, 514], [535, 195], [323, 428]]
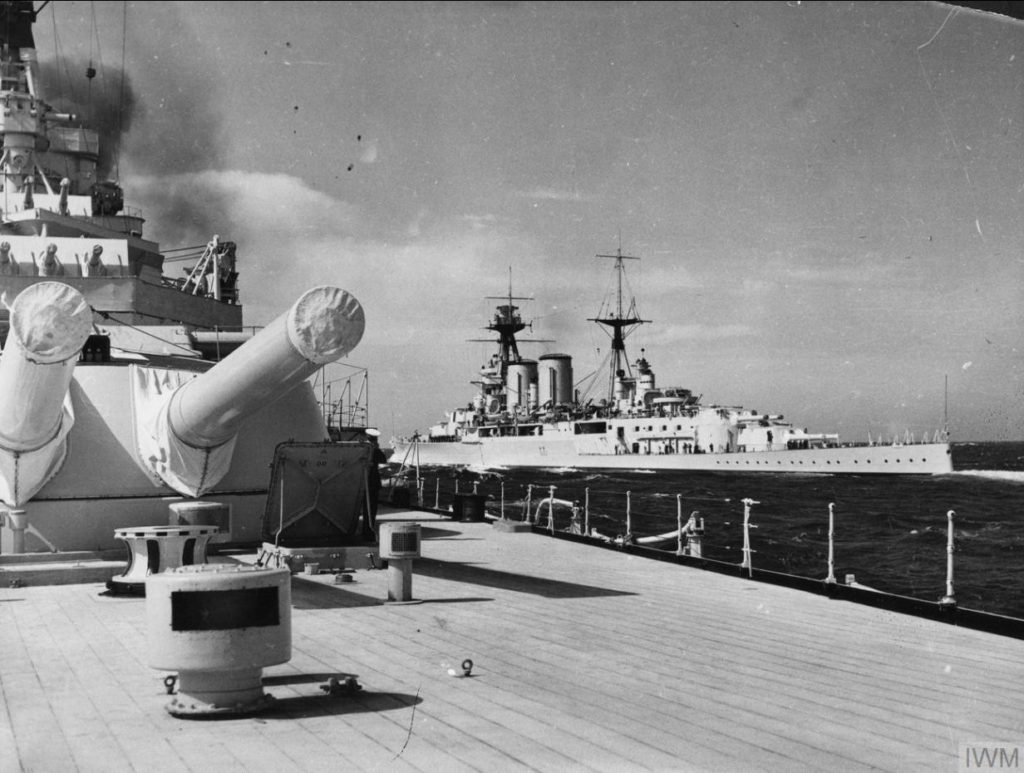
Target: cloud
[[552, 194], [291, 237], [275, 208], [479, 222], [666, 335], [369, 154]]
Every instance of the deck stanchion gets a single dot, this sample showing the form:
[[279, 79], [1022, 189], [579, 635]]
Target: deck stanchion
[[586, 511], [437, 493], [747, 563], [679, 524], [629, 517], [949, 600], [831, 544], [474, 486], [551, 509], [527, 516], [503, 500], [417, 463], [419, 491]]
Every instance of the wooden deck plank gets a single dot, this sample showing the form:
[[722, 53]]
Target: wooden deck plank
[[583, 659]]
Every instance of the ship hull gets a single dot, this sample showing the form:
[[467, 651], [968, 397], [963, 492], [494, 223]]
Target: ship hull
[[541, 452]]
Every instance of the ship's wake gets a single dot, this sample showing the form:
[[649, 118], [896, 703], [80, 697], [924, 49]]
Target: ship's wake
[[1009, 476]]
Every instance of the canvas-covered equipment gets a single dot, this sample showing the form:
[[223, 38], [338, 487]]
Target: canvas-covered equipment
[[317, 493]]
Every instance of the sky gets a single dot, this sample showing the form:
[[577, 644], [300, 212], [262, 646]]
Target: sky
[[825, 197]]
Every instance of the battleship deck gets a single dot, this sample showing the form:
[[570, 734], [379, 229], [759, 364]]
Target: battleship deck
[[583, 659]]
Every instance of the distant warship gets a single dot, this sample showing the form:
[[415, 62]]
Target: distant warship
[[528, 414]]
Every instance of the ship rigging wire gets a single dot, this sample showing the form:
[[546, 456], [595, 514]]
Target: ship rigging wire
[[120, 101], [109, 315], [59, 57]]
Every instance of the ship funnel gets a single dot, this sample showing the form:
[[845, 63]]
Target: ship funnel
[[555, 379], [520, 376], [203, 415], [49, 324]]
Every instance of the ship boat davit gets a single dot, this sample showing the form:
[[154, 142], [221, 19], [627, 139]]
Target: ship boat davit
[[123, 390], [528, 413]]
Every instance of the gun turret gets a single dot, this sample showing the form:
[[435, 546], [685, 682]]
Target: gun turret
[[49, 324], [324, 325], [195, 432]]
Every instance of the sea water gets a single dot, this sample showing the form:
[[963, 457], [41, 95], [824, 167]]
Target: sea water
[[890, 531]]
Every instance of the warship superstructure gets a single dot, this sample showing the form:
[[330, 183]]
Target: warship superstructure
[[528, 413], [122, 389]]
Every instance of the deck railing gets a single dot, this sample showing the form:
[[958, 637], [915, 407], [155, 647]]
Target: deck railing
[[540, 508]]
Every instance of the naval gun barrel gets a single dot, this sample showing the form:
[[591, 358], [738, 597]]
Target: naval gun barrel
[[49, 324], [322, 326]]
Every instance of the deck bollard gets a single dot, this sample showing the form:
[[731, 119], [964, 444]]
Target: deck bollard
[[949, 600], [156, 549], [831, 544], [747, 564]]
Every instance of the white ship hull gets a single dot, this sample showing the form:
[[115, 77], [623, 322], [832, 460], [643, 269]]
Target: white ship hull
[[566, 452]]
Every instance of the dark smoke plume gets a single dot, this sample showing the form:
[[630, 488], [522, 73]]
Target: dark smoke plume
[[106, 107], [160, 121]]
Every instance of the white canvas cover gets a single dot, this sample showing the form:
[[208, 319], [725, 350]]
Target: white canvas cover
[[167, 460], [23, 473]]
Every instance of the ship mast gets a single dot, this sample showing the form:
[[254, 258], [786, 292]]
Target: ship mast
[[622, 322], [506, 323]]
